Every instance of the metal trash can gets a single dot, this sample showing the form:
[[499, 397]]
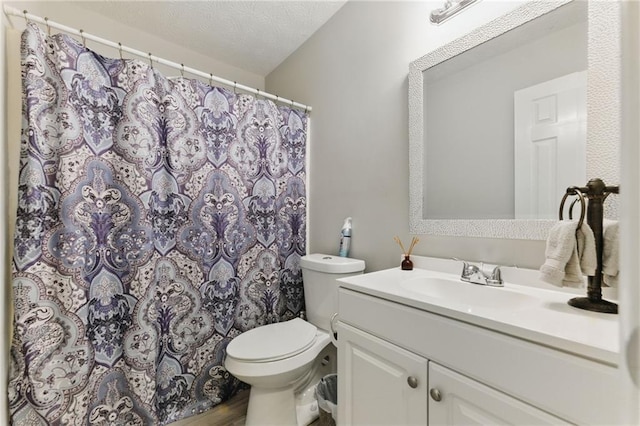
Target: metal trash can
[[327, 396]]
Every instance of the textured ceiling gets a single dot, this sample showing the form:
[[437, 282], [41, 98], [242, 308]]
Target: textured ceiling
[[252, 35]]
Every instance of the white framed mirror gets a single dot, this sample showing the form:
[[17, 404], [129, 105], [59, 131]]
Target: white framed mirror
[[493, 175]]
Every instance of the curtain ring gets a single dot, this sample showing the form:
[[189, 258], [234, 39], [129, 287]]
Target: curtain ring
[[84, 41], [120, 51], [211, 79], [235, 86], [150, 61], [258, 94], [46, 20], [26, 20], [182, 70], [292, 102], [306, 109]]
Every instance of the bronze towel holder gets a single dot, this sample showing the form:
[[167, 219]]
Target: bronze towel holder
[[596, 192]]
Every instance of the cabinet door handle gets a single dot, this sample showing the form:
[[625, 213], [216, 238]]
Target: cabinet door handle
[[435, 394], [412, 381]]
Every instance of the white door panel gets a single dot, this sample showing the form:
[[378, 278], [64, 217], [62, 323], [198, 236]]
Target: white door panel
[[550, 144]]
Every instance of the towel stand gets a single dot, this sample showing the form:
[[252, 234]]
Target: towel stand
[[596, 192]]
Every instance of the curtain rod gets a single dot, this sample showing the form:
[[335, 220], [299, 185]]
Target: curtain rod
[[9, 10]]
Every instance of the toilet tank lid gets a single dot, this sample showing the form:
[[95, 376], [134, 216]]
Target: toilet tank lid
[[331, 264]]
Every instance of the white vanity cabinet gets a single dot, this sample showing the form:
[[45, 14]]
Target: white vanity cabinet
[[395, 361], [383, 384]]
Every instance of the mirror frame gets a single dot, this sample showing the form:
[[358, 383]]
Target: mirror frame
[[603, 109]]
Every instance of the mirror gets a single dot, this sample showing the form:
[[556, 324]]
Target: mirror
[[498, 122]]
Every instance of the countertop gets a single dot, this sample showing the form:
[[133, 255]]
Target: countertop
[[549, 321]]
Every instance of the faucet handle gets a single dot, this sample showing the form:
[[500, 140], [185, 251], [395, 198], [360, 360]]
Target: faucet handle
[[496, 277], [468, 269], [496, 274]]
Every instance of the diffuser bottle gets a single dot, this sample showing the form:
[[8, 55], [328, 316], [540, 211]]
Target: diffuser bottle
[[345, 238]]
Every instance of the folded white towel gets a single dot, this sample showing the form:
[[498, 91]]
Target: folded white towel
[[586, 250], [561, 245], [610, 252], [570, 254]]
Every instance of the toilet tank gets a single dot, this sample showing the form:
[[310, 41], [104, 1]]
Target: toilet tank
[[319, 274]]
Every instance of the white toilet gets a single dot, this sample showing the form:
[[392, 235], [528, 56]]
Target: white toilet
[[284, 361]]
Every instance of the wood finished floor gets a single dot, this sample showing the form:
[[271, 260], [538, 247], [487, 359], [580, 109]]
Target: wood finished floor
[[231, 413]]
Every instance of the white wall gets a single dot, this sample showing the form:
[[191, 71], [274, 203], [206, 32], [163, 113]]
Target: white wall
[[353, 72]]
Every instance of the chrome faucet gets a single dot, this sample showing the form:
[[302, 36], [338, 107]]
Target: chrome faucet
[[474, 274]]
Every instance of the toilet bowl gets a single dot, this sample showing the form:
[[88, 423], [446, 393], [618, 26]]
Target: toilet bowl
[[275, 376], [284, 361]]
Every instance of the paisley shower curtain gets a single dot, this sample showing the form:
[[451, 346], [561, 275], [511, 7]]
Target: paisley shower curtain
[[157, 219]]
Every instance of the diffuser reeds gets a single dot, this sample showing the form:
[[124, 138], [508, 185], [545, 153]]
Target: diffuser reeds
[[414, 241]]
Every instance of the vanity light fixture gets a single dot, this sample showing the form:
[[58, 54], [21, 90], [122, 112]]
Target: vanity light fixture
[[450, 9]]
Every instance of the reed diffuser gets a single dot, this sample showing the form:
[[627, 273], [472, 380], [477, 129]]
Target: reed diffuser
[[407, 264]]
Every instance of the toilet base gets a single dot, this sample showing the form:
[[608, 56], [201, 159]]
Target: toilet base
[[271, 407], [295, 404]]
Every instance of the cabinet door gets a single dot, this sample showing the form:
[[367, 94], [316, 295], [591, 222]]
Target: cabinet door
[[458, 400], [378, 382]]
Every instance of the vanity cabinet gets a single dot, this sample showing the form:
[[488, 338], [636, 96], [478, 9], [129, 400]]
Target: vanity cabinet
[[399, 365], [383, 384]]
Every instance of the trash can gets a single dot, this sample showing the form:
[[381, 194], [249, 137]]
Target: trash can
[[327, 396]]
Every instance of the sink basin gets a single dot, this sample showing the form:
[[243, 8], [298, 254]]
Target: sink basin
[[469, 295]]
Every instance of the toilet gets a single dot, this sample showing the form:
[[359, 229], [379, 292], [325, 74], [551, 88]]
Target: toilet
[[284, 361]]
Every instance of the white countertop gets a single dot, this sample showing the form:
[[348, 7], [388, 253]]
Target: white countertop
[[548, 321]]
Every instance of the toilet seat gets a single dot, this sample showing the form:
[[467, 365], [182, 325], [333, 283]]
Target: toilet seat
[[273, 342]]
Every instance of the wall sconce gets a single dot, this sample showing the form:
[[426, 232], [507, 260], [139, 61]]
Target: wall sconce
[[450, 9]]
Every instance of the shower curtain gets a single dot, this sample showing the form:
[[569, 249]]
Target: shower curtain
[[157, 219]]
